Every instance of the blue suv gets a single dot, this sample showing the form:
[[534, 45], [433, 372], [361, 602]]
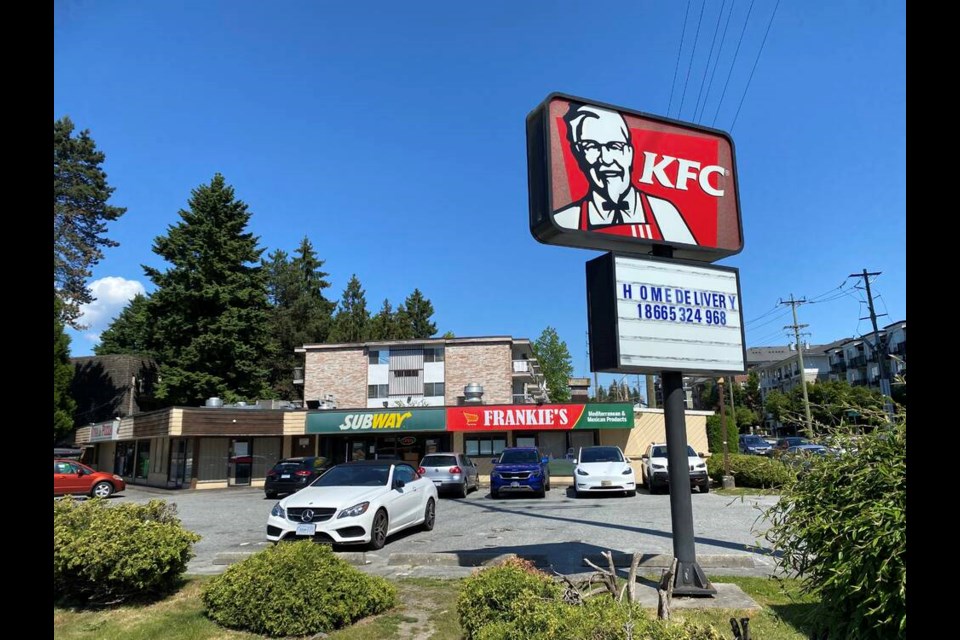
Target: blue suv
[[520, 470]]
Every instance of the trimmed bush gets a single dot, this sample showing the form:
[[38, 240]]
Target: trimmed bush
[[758, 472], [294, 589], [106, 554], [715, 433], [842, 528], [514, 600], [487, 595], [599, 618]]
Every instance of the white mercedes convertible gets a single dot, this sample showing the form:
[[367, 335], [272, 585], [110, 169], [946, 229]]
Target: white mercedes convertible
[[360, 502]]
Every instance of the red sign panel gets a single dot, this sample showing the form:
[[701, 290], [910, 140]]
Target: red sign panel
[[512, 417], [602, 177]]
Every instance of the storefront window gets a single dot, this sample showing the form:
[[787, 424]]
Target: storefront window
[[123, 463], [143, 459], [484, 446]]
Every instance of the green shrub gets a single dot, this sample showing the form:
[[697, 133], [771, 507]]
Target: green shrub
[[842, 528], [106, 554], [715, 433], [599, 618], [487, 595], [759, 472], [294, 589], [514, 600]]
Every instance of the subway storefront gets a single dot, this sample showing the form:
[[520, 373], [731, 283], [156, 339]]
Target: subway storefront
[[481, 431]]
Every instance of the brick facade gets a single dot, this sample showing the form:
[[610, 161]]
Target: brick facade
[[489, 365], [340, 372]]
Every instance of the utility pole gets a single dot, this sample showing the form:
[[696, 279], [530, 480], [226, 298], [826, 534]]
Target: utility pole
[[728, 482], [803, 375], [651, 392], [879, 345]]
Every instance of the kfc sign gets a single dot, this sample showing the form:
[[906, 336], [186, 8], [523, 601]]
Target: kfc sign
[[606, 178]]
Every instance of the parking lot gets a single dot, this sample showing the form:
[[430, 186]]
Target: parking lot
[[557, 531]]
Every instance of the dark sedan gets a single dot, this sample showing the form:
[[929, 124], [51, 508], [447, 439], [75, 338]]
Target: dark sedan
[[292, 474]]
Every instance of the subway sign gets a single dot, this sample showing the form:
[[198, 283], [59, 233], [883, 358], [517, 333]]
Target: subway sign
[[375, 421], [547, 417]]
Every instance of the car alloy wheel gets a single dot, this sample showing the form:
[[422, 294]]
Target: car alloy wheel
[[463, 489], [429, 515], [378, 534], [102, 490]]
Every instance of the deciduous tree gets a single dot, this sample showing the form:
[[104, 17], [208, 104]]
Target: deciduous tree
[[555, 363]]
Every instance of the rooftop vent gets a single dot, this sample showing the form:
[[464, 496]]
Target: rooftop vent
[[216, 403], [473, 394]]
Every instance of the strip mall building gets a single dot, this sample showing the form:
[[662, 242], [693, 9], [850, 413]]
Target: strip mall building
[[395, 400]]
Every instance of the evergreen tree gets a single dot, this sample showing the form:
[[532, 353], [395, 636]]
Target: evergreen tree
[[210, 308], [129, 333], [299, 312], [419, 310], [80, 214], [350, 324], [63, 403], [555, 363], [382, 324], [751, 396], [402, 324]]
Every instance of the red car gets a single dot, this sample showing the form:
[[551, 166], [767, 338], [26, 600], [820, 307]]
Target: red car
[[72, 477]]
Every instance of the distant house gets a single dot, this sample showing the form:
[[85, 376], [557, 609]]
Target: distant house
[[114, 386]]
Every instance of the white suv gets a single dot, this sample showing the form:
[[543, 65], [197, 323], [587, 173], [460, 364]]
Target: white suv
[[654, 474]]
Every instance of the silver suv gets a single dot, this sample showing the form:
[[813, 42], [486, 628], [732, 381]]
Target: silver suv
[[451, 472]]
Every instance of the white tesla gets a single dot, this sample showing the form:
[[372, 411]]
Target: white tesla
[[356, 503], [603, 468]]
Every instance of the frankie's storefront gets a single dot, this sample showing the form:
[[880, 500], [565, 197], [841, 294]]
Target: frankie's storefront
[[480, 431]]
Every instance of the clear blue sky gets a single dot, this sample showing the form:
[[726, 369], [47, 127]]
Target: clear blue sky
[[393, 136]]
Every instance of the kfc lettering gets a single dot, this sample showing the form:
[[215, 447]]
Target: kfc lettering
[[686, 170]]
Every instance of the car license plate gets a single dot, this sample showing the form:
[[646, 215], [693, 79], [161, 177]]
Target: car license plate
[[514, 484], [605, 483], [285, 476], [306, 529], [437, 482]]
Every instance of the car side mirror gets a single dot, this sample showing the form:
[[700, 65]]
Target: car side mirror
[[545, 460], [644, 457], [79, 473], [493, 460], [574, 461], [700, 453], [399, 484]]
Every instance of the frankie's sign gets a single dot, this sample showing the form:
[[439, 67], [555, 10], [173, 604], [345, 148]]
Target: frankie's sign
[[607, 178], [547, 417]]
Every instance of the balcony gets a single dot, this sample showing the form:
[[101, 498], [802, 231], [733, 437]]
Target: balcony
[[900, 349], [838, 366], [523, 398], [526, 368], [857, 361]]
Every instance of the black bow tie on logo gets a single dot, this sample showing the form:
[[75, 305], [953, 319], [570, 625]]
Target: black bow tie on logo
[[619, 208]]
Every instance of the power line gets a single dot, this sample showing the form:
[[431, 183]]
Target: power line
[[732, 64], [755, 62], [773, 319], [716, 64], [706, 69], [693, 54], [679, 51]]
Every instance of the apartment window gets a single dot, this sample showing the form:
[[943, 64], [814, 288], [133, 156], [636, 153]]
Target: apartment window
[[433, 354], [433, 388], [379, 356], [378, 391], [484, 446]]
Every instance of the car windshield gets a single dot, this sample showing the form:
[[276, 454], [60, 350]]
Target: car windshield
[[439, 461], [354, 475], [518, 457], [601, 454], [661, 452], [754, 440]]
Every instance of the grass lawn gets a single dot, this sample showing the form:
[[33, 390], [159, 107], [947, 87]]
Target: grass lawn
[[427, 612], [746, 491]]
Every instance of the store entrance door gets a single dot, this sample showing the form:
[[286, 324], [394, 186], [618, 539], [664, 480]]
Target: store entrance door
[[240, 467]]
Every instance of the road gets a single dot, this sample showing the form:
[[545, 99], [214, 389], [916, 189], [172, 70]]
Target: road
[[558, 531]]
